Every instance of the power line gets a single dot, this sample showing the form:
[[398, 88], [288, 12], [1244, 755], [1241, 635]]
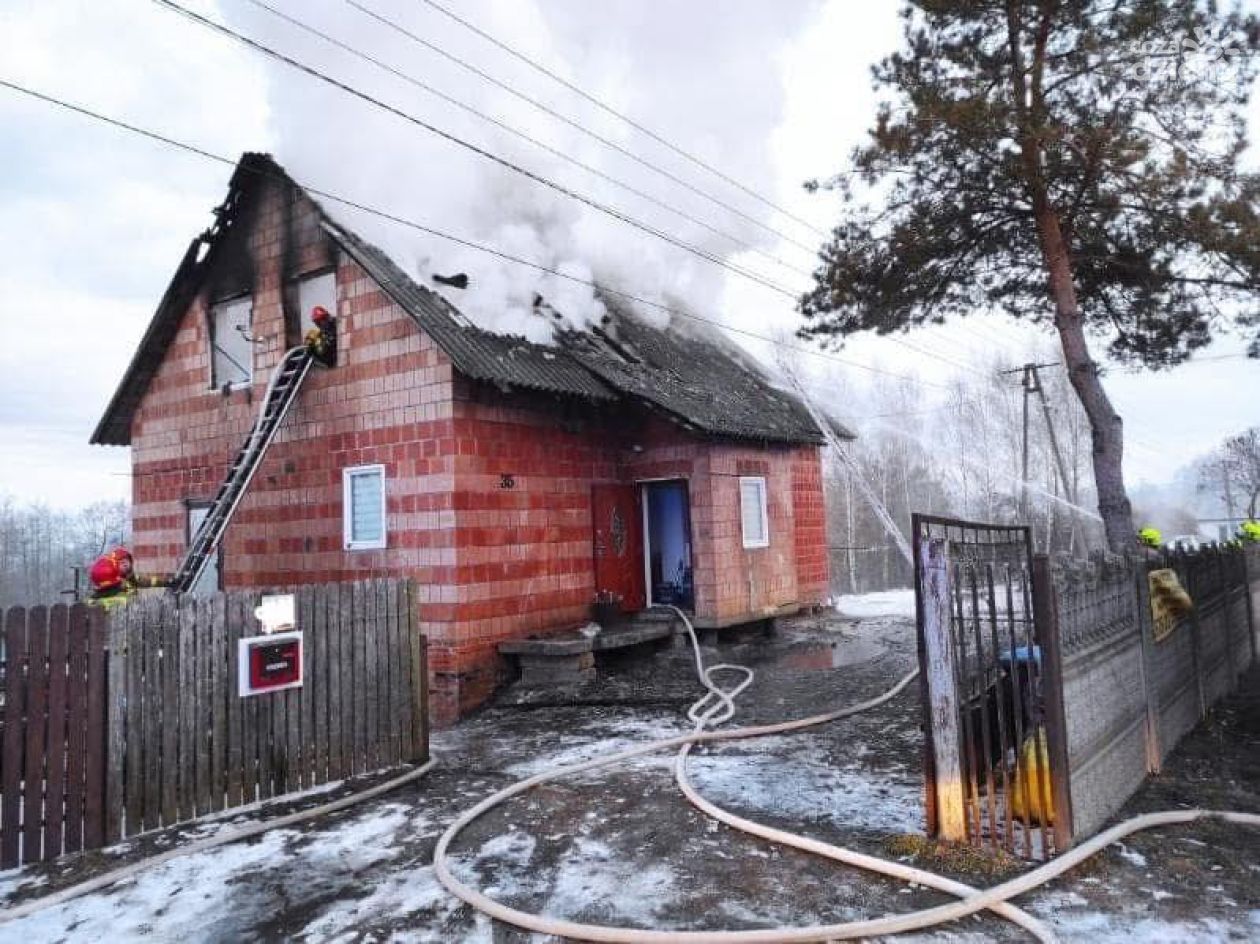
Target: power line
[[475, 149], [412, 224], [504, 126], [575, 125], [504, 162], [537, 67]]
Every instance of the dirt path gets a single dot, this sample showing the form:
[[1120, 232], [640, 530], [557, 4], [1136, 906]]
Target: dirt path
[[622, 846]]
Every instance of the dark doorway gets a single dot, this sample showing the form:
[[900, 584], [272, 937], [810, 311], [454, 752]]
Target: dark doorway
[[667, 520]]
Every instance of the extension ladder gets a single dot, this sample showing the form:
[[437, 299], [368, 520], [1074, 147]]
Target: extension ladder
[[282, 390]]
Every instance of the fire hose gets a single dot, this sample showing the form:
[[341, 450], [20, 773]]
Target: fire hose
[[718, 705]]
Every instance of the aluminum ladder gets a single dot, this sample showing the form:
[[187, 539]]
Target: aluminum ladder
[[282, 390]]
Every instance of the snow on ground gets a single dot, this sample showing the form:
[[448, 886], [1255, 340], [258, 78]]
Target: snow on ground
[[577, 747], [805, 785], [884, 603], [183, 897], [213, 895]]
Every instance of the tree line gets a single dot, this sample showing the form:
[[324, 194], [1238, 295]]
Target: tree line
[[958, 455], [40, 546]]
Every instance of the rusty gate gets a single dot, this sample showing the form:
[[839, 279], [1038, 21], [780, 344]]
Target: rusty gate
[[995, 755]]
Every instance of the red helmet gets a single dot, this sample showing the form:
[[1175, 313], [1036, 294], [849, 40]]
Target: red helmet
[[106, 574], [122, 557], [320, 314]]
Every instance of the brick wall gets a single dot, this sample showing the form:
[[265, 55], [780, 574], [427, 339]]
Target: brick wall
[[490, 562]]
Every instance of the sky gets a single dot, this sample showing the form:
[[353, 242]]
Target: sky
[[93, 220]]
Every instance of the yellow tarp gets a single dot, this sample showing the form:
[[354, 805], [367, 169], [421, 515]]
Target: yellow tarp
[[1169, 602], [1027, 795]]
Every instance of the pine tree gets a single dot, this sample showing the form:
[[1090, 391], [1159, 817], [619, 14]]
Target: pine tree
[[1070, 162]]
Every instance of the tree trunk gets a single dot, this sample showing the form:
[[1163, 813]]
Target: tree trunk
[[1106, 427]]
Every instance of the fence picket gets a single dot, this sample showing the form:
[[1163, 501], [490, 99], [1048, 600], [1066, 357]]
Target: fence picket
[[318, 673], [371, 717], [14, 710], [152, 684], [187, 777], [55, 790], [279, 740], [361, 601], [250, 775], [218, 714], [345, 693], [336, 710], [96, 732], [36, 732], [168, 658], [402, 683], [238, 614], [76, 723]]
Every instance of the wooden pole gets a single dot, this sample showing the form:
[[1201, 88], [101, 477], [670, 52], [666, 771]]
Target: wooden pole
[[942, 691]]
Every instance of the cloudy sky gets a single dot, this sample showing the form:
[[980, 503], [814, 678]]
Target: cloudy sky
[[93, 219]]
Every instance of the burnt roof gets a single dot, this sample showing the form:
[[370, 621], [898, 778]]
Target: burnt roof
[[495, 358], [703, 383]]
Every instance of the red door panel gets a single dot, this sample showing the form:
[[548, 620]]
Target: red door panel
[[618, 526]]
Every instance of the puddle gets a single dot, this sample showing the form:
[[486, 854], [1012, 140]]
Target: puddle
[[832, 655]]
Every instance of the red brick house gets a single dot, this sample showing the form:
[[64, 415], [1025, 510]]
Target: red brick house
[[511, 480]]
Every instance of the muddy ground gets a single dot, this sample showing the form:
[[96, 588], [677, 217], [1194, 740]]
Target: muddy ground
[[621, 846]]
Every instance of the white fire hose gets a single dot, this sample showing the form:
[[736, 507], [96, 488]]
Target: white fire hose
[[718, 705]]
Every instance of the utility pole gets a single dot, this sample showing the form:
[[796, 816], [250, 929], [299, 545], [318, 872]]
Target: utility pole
[[1031, 383]]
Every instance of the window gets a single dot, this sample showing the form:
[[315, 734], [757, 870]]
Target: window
[[363, 507], [752, 512], [232, 351], [316, 290], [208, 582]]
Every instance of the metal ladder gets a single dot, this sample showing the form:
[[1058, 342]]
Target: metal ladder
[[282, 390]]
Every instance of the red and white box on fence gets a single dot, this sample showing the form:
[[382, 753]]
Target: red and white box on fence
[[275, 660]]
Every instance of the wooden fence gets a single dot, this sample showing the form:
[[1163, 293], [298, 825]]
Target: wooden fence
[[183, 743], [52, 739], [121, 724]]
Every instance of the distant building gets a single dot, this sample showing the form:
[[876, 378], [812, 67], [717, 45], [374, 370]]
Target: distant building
[[512, 481]]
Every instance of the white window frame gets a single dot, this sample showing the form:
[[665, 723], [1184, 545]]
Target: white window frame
[[347, 510], [215, 383], [760, 482]]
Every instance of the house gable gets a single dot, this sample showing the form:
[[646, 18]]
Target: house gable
[[702, 384]]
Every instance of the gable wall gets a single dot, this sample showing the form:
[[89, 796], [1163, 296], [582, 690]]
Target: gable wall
[[388, 401]]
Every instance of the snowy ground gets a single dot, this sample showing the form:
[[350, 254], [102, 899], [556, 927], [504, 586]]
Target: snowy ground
[[621, 846]]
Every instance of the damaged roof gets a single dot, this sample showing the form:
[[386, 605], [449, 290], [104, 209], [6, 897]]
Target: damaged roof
[[495, 358], [703, 383]]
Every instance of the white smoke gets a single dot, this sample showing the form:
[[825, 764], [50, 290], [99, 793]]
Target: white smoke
[[704, 74]]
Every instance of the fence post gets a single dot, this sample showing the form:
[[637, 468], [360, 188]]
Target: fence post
[[1046, 618], [942, 692], [1192, 574], [1227, 615], [1246, 592], [117, 638], [1150, 691]]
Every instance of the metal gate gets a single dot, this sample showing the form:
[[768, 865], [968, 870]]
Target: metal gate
[[995, 755]]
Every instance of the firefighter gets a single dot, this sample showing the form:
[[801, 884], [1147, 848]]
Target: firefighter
[[321, 340], [115, 581], [1150, 537]]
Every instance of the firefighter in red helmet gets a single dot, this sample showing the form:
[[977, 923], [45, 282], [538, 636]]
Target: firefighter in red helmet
[[321, 340], [114, 579]]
